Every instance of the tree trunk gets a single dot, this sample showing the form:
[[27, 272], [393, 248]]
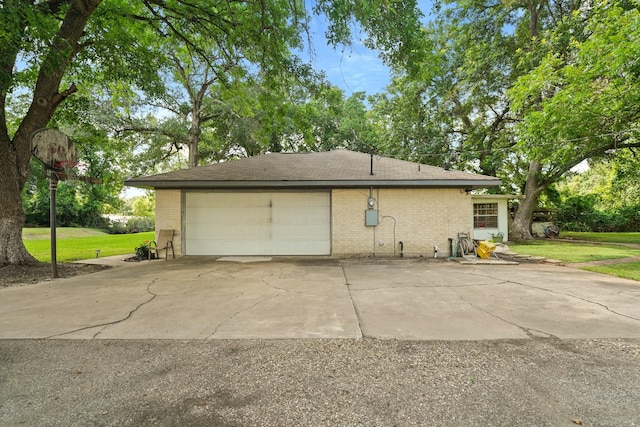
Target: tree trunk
[[194, 140], [520, 228], [12, 249]]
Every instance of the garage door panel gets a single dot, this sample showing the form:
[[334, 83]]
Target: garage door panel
[[228, 200], [199, 215], [253, 215], [234, 247], [301, 214], [227, 232], [300, 232], [300, 199], [218, 215], [275, 223]]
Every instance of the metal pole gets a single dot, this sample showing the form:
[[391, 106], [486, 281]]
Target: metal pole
[[53, 186]]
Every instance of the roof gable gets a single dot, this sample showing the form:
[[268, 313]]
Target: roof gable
[[337, 168]]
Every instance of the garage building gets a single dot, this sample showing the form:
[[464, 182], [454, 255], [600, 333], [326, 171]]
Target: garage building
[[339, 203]]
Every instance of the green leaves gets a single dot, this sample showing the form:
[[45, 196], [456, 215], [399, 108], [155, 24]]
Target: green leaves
[[584, 101]]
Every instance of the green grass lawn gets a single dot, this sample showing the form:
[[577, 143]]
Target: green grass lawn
[[81, 243], [61, 233], [633, 238], [585, 252], [627, 270], [573, 251]]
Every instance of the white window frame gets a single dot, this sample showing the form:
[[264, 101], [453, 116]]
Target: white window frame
[[485, 215]]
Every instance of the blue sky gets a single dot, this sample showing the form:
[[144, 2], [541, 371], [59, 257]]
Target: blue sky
[[352, 68]]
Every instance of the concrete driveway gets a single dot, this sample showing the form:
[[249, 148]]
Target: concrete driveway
[[206, 298]]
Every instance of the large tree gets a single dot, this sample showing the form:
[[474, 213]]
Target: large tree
[[25, 23], [582, 100], [192, 98], [215, 107], [50, 47], [519, 90]]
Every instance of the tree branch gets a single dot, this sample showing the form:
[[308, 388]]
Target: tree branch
[[595, 152], [61, 96], [177, 137]]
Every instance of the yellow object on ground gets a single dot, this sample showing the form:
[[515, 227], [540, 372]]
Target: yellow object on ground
[[485, 249]]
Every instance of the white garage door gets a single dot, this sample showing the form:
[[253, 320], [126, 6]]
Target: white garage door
[[277, 223]]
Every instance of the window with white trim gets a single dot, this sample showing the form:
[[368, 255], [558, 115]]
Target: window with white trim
[[485, 215]]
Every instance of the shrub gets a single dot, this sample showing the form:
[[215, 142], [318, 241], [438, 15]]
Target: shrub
[[132, 225], [142, 250], [580, 213]]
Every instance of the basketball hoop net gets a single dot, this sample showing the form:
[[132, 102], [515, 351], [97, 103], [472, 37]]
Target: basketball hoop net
[[64, 165], [66, 170]]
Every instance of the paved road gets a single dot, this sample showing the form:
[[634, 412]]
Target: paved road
[[204, 298]]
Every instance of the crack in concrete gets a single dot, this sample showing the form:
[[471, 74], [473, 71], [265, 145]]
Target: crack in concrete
[[281, 291], [230, 318], [296, 292], [104, 326], [275, 287], [562, 293], [524, 329], [218, 271]]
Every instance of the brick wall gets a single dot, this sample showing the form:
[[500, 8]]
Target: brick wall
[[169, 215], [423, 218]]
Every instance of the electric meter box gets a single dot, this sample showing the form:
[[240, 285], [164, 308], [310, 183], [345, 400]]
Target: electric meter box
[[371, 218]]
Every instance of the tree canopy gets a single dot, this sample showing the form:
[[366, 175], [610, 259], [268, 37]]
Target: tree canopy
[[520, 90], [50, 49]]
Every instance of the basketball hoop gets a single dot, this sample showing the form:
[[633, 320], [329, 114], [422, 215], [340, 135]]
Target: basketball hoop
[[52, 148], [58, 154]]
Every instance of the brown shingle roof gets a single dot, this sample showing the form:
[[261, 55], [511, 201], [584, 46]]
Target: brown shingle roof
[[337, 168]]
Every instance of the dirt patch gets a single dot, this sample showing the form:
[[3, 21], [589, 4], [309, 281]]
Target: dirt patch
[[604, 262], [522, 259], [15, 275]]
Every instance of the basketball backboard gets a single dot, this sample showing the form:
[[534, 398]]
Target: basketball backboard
[[53, 148]]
